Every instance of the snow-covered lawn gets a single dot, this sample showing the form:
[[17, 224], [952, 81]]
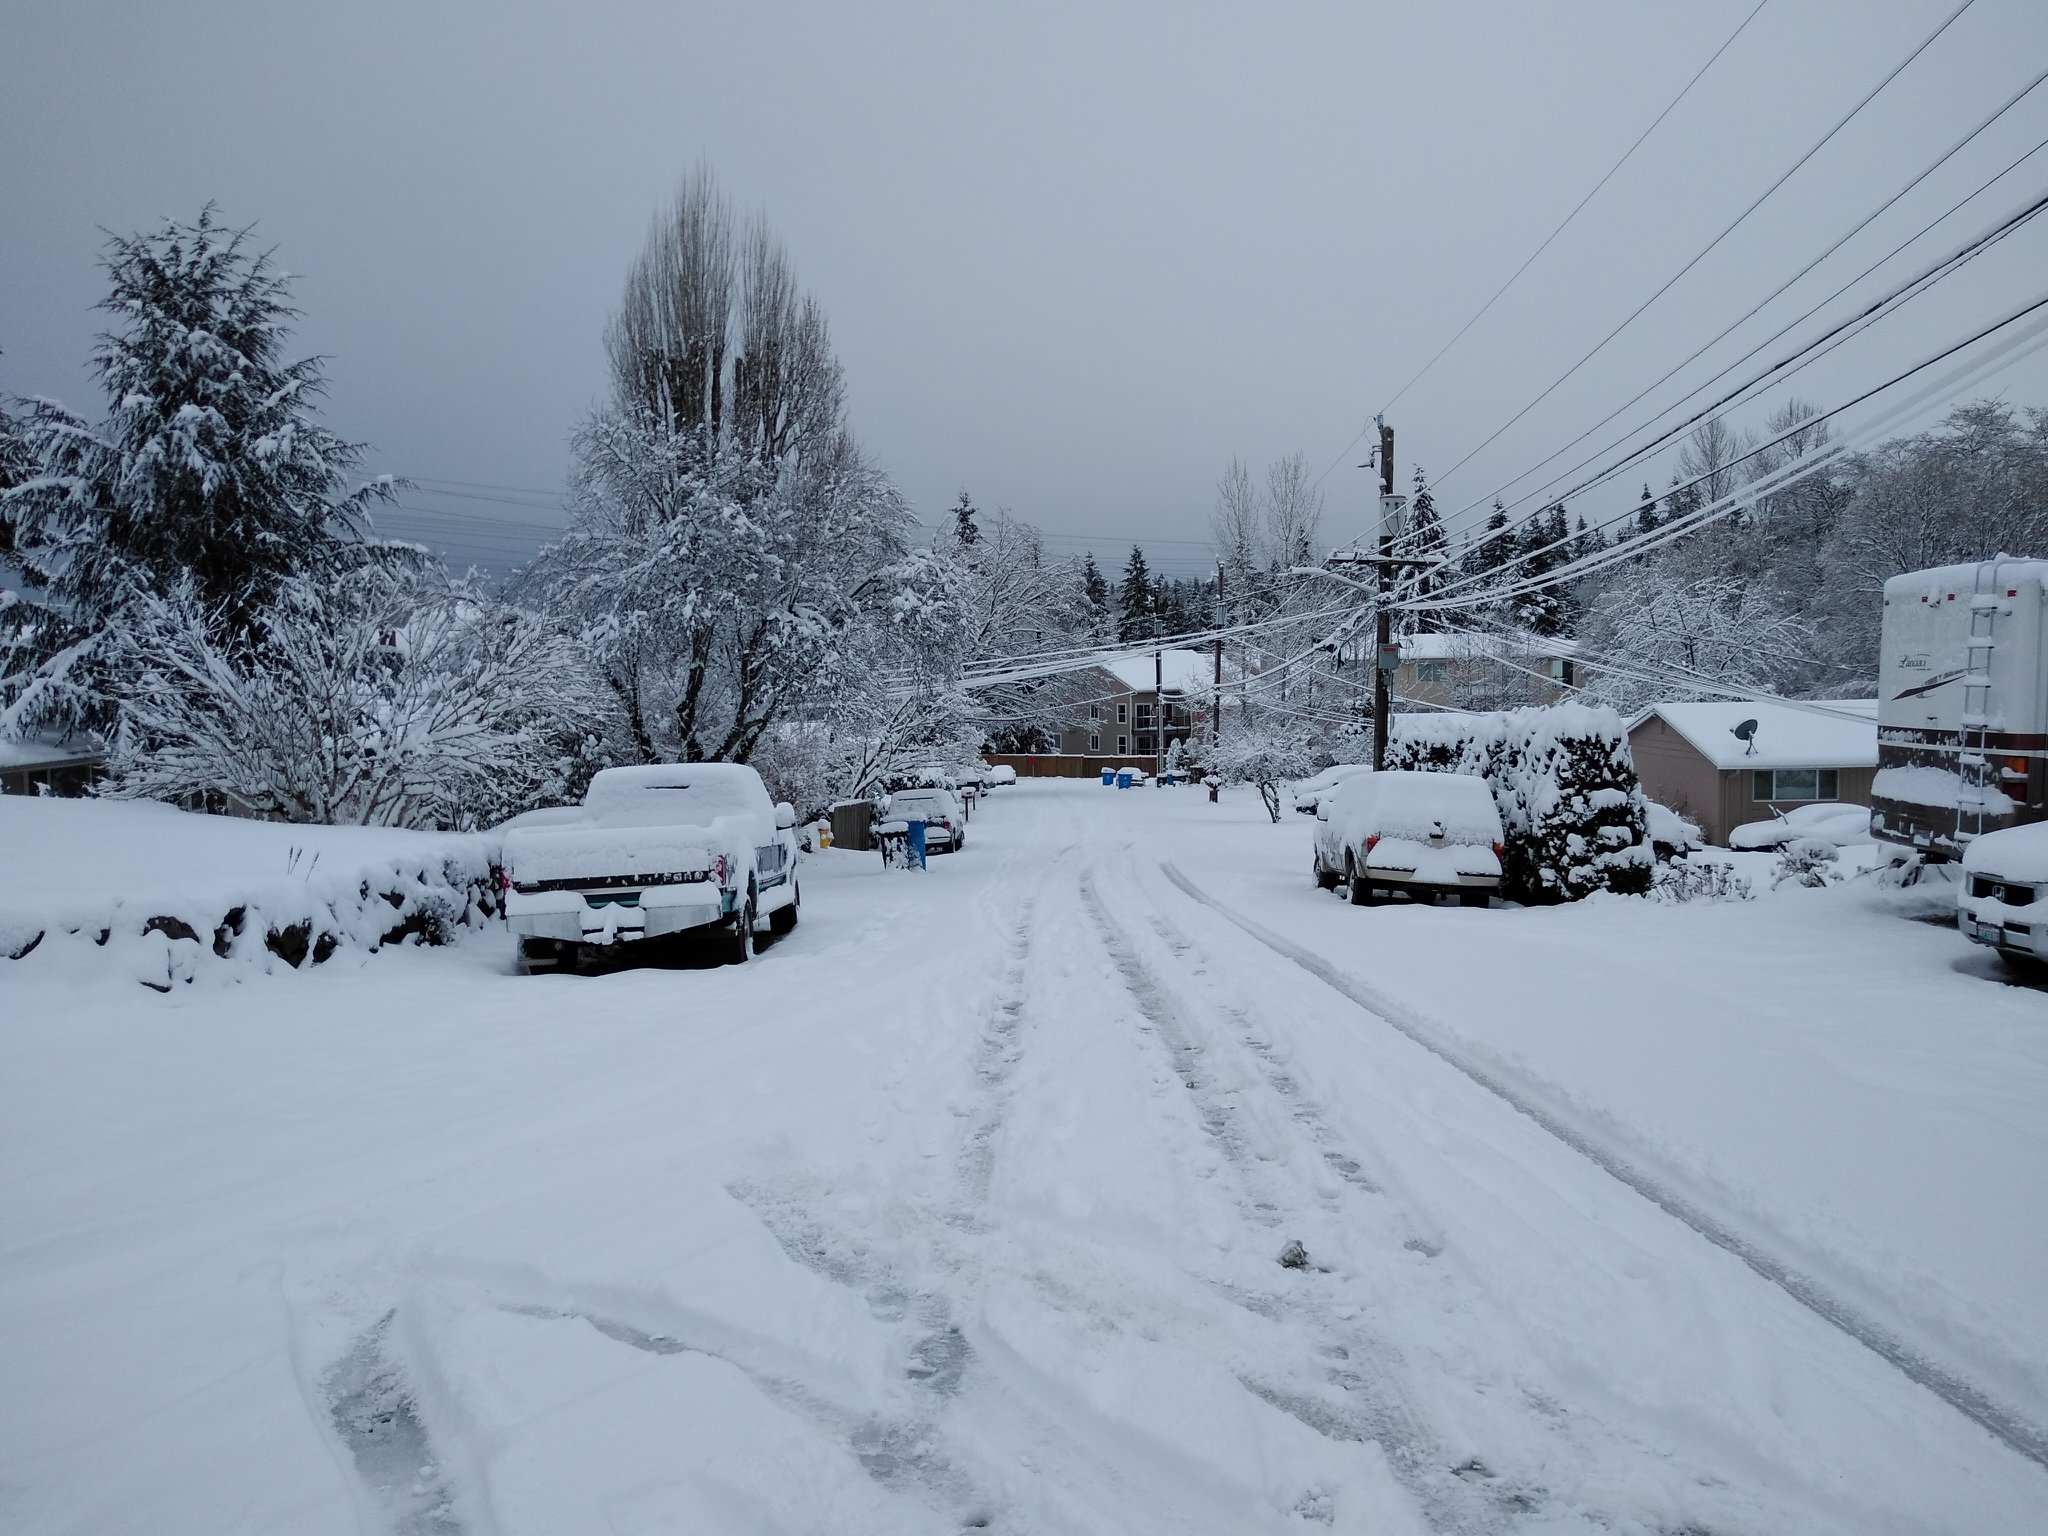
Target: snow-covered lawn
[[962, 1206]]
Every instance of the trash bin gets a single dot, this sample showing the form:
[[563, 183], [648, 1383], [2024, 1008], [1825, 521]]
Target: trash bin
[[1123, 778], [913, 838], [1108, 777]]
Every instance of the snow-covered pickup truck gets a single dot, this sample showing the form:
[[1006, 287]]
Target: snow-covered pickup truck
[[652, 851]]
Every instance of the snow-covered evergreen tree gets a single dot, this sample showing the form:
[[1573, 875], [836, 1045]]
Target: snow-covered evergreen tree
[[210, 473], [1095, 595], [1427, 545], [1136, 601]]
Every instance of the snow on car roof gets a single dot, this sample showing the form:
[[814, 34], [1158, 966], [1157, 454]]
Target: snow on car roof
[[1820, 733], [720, 788]]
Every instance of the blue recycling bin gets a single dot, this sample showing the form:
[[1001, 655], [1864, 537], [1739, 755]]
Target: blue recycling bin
[[1108, 777], [1123, 778], [913, 842]]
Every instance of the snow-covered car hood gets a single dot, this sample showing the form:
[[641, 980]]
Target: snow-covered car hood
[[2016, 853]]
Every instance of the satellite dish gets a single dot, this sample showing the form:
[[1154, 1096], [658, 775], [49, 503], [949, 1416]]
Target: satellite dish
[[1746, 734]]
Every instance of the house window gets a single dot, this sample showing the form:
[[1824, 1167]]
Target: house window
[[1144, 716], [1123, 715], [1145, 747], [1561, 670], [1794, 784], [1123, 743], [1429, 671], [1094, 741], [1094, 711]]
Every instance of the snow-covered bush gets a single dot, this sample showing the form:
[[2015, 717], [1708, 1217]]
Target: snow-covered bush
[[372, 698], [1566, 787], [1683, 879], [1266, 750], [303, 920], [1807, 861]]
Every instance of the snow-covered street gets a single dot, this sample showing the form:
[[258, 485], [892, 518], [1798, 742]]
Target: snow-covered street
[[963, 1206]]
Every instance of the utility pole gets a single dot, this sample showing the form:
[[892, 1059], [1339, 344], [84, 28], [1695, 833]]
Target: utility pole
[[1383, 629], [1159, 703], [1216, 696]]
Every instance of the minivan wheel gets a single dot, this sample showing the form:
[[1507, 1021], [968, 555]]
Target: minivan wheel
[[1361, 889]]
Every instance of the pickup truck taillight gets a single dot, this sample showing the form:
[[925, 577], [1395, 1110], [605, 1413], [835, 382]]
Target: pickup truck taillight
[[1372, 842], [718, 868], [504, 880], [1498, 851]]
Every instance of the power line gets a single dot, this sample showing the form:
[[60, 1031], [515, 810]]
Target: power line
[[1577, 208], [1841, 123], [1801, 356], [1777, 479], [1861, 225]]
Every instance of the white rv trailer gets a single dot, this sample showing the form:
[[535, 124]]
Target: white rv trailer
[[1962, 724]]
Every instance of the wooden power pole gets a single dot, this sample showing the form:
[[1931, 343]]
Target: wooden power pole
[[1216, 694], [1383, 631]]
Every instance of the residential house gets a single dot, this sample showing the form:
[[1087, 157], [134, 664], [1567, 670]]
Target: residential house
[[1485, 671], [48, 768], [1690, 757], [1128, 709]]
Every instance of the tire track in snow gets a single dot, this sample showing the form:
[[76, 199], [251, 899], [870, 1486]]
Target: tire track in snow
[[2011, 1427], [1369, 1404], [375, 1411]]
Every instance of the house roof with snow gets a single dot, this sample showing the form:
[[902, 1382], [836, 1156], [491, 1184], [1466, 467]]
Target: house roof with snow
[[1183, 671], [1811, 733], [1475, 647], [47, 754]]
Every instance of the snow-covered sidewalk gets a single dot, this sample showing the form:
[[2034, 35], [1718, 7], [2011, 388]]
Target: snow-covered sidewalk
[[962, 1206]]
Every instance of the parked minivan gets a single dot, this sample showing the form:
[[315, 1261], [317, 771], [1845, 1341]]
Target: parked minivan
[[1423, 835]]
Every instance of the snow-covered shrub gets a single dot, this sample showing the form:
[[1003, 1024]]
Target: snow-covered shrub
[[303, 920], [1266, 750], [1682, 880], [1562, 777], [1807, 861], [374, 697]]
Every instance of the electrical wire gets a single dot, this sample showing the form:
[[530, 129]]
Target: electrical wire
[[1786, 366], [1921, 47], [2026, 342], [1777, 292], [1576, 210]]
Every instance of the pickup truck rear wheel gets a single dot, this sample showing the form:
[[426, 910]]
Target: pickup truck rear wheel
[[784, 918], [1326, 879], [739, 943]]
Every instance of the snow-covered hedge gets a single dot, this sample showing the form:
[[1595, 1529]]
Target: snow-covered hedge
[[430, 898], [1562, 777]]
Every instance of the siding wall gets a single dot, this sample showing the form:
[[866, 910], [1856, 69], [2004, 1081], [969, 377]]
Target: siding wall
[[1852, 788], [1676, 776]]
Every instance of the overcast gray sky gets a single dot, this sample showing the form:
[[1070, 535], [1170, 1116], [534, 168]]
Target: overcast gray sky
[[1075, 256]]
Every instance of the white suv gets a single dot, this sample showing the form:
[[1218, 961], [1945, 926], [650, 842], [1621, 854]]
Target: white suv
[[1422, 834], [2003, 901]]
